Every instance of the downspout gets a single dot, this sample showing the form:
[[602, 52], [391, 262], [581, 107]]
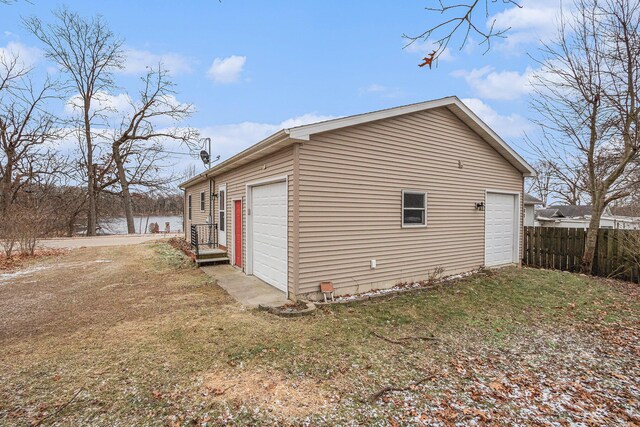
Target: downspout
[[212, 184], [185, 213]]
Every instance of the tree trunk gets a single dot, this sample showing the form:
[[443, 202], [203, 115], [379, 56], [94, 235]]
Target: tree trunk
[[71, 226], [6, 196], [91, 178], [124, 185], [592, 236]]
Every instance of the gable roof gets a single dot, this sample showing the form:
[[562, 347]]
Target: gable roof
[[289, 136], [549, 213], [567, 211]]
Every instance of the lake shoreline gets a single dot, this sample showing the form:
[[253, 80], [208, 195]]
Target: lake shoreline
[[118, 225]]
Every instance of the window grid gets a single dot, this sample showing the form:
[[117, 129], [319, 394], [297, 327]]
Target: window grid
[[414, 209]]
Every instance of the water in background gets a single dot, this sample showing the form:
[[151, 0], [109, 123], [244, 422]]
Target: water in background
[[119, 225]]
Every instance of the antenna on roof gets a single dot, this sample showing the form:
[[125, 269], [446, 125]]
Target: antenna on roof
[[205, 155]]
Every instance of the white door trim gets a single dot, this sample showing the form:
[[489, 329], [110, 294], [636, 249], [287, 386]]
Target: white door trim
[[222, 235], [516, 234], [232, 252], [249, 222]]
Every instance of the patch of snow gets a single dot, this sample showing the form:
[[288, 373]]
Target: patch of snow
[[6, 278], [401, 287]]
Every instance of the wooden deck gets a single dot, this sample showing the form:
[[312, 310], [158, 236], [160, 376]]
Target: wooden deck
[[212, 256]]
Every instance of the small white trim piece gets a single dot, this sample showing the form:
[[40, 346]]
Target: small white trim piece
[[270, 180], [426, 205], [249, 229], [516, 235], [222, 187]]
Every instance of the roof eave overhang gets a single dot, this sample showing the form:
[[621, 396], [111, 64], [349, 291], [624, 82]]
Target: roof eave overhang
[[285, 137], [269, 145]]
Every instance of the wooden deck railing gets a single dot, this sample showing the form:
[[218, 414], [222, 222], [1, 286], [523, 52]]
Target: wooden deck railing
[[204, 236]]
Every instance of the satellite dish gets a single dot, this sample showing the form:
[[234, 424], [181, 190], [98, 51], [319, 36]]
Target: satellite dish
[[205, 157]]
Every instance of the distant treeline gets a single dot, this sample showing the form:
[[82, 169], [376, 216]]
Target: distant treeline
[[110, 206], [60, 210]]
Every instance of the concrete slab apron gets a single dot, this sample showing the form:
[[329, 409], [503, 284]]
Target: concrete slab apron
[[247, 290]]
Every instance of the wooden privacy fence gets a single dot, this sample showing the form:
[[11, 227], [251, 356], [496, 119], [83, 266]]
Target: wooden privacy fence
[[617, 251]]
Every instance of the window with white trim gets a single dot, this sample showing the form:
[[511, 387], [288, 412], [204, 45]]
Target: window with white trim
[[202, 201], [222, 196], [189, 206], [414, 208]]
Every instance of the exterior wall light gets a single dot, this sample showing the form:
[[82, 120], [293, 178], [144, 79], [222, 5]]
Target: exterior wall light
[[480, 206]]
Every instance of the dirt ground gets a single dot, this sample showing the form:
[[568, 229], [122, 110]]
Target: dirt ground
[[135, 335]]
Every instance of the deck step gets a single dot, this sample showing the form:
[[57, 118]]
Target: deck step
[[212, 251], [211, 254], [216, 260]]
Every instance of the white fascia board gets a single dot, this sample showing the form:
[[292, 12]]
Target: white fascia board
[[503, 147], [304, 132]]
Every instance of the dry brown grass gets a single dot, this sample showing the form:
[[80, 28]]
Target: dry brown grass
[[140, 337], [267, 390]]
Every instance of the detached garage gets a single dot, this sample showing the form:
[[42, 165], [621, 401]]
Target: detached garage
[[364, 202]]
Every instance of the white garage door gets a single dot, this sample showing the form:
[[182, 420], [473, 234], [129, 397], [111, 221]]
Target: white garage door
[[500, 229], [269, 233]]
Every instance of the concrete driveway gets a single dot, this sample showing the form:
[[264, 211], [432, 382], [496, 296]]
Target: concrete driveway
[[95, 241], [247, 290]]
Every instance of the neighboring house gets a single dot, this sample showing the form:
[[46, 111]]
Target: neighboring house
[[367, 201], [530, 203], [579, 217]]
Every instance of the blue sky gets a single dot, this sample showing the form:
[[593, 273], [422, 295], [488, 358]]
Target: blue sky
[[252, 67]]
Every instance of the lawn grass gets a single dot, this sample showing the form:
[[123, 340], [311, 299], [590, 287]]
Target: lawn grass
[[151, 340]]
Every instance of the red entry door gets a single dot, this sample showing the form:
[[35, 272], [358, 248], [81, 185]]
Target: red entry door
[[237, 230]]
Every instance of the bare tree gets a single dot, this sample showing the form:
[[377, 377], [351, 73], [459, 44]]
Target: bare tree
[[558, 183], [139, 137], [587, 97], [25, 128], [88, 52], [466, 18], [569, 185], [540, 185]]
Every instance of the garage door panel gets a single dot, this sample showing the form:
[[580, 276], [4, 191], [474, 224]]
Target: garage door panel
[[269, 233], [500, 223]]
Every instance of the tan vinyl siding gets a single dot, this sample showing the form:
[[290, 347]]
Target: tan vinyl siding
[[275, 165], [351, 183], [198, 216]]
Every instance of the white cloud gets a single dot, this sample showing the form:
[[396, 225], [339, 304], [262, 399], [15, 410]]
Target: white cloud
[[380, 90], [27, 56], [374, 88], [105, 103], [536, 20], [305, 119], [491, 84], [115, 107], [227, 70], [507, 126], [137, 61], [232, 138]]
